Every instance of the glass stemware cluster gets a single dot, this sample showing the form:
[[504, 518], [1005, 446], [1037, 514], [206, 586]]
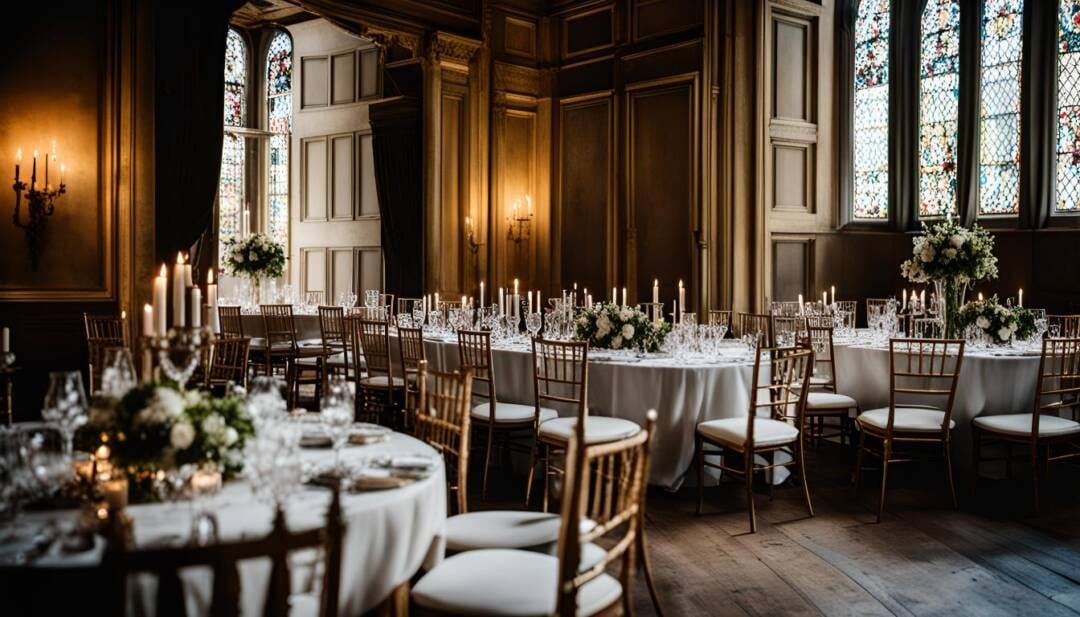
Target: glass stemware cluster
[[883, 321]]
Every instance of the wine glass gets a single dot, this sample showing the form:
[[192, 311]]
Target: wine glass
[[533, 323], [264, 400], [65, 405], [118, 376], [418, 314], [371, 298], [337, 413]]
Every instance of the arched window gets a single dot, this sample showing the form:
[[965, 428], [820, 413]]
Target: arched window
[[279, 115], [939, 74], [231, 186], [871, 134], [1068, 107], [999, 140]]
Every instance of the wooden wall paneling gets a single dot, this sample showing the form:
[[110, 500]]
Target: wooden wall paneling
[[314, 82], [661, 179], [341, 274], [587, 31], [368, 198], [454, 189], [658, 62], [314, 176], [312, 269], [343, 168], [343, 78], [793, 176], [586, 219], [793, 269], [519, 36], [652, 18], [370, 75], [369, 268]]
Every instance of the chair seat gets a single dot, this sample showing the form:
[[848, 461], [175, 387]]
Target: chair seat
[[382, 381], [1019, 424], [258, 343], [310, 342], [598, 429], [337, 360], [907, 419], [820, 380], [511, 413], [731, 432], [520, 529], [820, 401], [506, 582]]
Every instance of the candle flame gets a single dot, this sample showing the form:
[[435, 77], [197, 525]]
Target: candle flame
[[680, 284], [54, 149], [147, 308], [35, 153], [18, 155], [180, 257], [123, 314], [103, 452], [163, 274]]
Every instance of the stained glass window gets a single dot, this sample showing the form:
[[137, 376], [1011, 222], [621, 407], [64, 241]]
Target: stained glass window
[[871, 136], [1068, 107], [279, 113], [235, 79], [999, 140], [939, 82]]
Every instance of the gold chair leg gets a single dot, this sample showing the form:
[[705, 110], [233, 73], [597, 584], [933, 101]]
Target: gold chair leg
[[949, 474], [487, 458], [976, 455], [1035, 476], [748, 465], [886, 453], [805, 486], [532, 472], [645, 565], [546, 474], [858, 460], [700, 458]]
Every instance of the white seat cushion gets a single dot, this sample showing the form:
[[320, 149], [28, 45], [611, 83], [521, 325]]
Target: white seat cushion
[[310, 342], [820, 380], [258, 342], [829, 400], [1020, 424], [512, 412], [732, 432], [522, 529], [381, 381], [598, 429], [907, 419], [506, 582]]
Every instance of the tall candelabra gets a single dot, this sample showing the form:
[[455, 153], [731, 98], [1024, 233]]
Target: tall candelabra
[[40, 203]]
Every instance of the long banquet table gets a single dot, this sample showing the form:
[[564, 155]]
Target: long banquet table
[[389, 534]]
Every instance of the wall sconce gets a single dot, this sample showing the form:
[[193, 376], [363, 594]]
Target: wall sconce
[[470, 237], [39, 202], [519, 223]]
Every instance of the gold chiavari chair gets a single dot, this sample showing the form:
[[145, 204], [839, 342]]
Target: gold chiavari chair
[[605, 487], [232, 325], [442, 419], [283, 350], [411, 353], [824, 399], [335, 339], [512, 422], [380, 389], [102, 333], [754, 324], [786, 331], [228, 363], [876, 304], [405, 305], [1064, 326], [1057, 389], [561, 377], [783, 399], [920, 370], [720, 317]]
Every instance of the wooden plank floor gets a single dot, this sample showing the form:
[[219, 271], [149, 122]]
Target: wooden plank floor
[[991, 557]]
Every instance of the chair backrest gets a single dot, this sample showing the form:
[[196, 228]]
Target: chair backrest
[[922, 370], [754, 323], [926, 327], [1068, 326], [821, 342], [232, 325], [102, 333], [605, 484], [442, 419], [280, 328], [720, 317], [224, 558], [782, 393], [412, 353], [785, 308], [371, 340], [332, 327], [786, 331], [653, 310], [474, 353], [1058, 388], [228, 362], [561, 374], [876, 304], [405, 305]]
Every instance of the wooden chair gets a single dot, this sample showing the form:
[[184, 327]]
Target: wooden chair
[[335, 339], [224, 559], [102, 333], [606, 487], [754, 323], [824, 399], [878, 304], [786, 308], [510, 421], [783, 398], [284, 350], [1057, 389], [411, 353], [920, 370], [442, 419], [561, 377], [232, 324], [228, 363], [786, 331], [720, 317], [1068, 326], [379, 390]]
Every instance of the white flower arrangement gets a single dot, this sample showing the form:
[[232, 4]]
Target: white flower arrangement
[[610, 326], [256, 256], [947, 249], [1001, 324]]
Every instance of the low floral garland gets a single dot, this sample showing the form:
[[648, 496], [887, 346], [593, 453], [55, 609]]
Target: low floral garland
[[1002, 324], [610, 326], [256, 256], [157, 427]]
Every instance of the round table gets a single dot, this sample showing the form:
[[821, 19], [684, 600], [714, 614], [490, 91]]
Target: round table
[[389, 534]]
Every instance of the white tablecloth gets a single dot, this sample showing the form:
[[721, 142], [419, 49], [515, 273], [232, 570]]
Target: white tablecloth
[[389, 534], [990, 383]]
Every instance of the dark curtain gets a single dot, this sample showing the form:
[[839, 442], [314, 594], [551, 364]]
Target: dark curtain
[[397, 150], [846, 12], [1038, 115], [904, 42], [189, 65], [968, 113]]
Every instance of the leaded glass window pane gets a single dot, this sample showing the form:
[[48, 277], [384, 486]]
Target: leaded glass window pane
[[235, 79], [871, 124], [999, 122], [231, 190], [1068, 107], [279, 114], [939, 99]]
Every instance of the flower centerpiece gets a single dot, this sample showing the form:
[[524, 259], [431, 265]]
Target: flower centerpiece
[[610, 326], [951, 257], [156, 427], [255, 257], [1001, 324]]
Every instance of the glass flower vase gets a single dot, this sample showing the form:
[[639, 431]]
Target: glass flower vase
[[950, 293]]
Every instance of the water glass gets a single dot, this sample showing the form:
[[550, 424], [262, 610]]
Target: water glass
[[65, 405], [533, 323], [337, 413], [264, 400], [118, 376], [371, 298]]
